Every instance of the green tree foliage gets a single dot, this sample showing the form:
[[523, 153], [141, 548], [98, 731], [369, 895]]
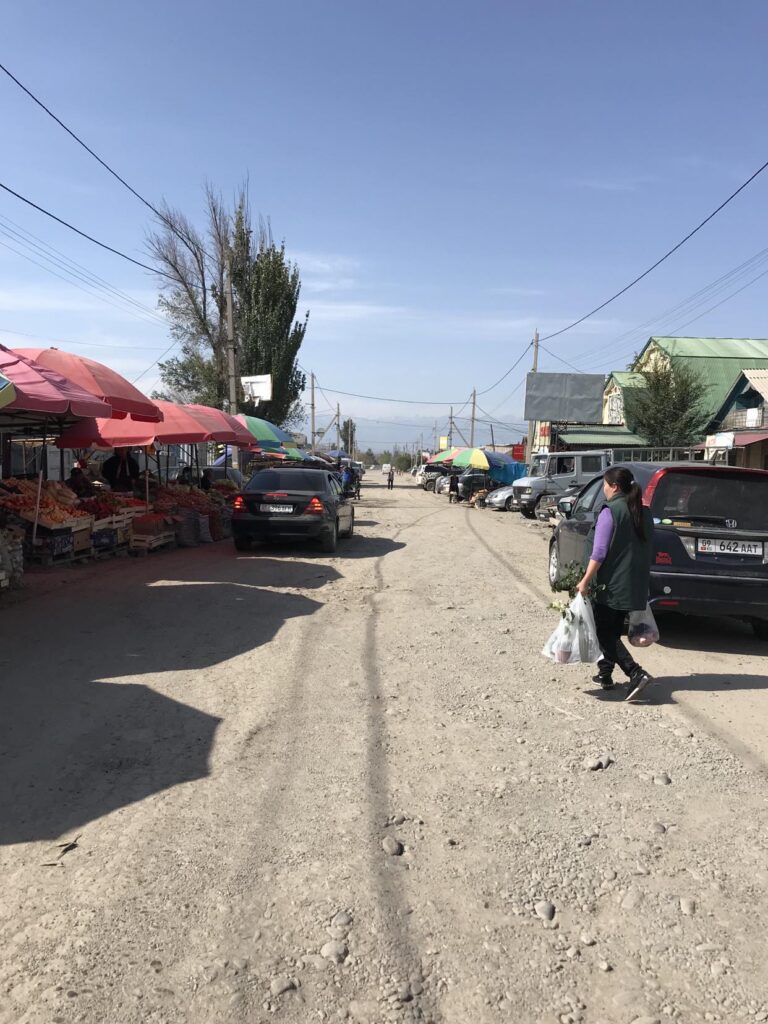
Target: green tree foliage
[[403, 461], [368, 458], [668, 411], [266, 288], [385, 457], [348, 435]]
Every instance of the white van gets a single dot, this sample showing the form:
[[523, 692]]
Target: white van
[[385, 468]]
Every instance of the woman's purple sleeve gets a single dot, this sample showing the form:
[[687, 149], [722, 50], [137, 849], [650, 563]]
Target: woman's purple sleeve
[[603, 535]]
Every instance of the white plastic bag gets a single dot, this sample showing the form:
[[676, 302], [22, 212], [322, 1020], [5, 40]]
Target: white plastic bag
[[643, 630], [575, 639]]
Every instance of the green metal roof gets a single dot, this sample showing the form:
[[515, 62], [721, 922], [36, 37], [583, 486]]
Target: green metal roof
[[600, 437], [628, 379], [718, 360]]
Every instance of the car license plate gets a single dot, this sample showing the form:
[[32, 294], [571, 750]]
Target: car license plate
[[276, 508], [725, 546]]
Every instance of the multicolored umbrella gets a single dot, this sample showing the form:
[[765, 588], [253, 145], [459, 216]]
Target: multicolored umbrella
[[7, 391], [267, 434], [481, 458], [447, 456]]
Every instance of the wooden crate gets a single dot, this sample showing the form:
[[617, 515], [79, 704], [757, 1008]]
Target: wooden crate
[[140, 544], [81, 541]]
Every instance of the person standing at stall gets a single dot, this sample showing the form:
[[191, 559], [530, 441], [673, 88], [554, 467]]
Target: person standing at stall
[[621, 546], [121, 471]]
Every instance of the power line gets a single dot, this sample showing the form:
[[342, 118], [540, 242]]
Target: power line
[[512, 367], [89, 283], [558, 358], [80, 142], [83, 234], [658, 262], [84, 344]]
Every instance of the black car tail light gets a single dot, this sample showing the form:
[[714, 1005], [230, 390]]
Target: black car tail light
[[238, 504], [315, 507]]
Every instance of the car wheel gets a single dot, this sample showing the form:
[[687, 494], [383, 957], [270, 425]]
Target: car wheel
[[760, 626], [554, 564], [508, 504], [242, 544], [429, 485], [329, 540], [351, 530]]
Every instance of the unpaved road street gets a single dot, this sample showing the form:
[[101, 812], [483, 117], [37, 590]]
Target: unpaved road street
[[233, 738]]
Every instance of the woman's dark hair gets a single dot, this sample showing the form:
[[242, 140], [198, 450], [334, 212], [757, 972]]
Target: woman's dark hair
[[619, 477]]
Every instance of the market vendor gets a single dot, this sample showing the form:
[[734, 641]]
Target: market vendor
[[206, 481], [80, 484], [121, 471]]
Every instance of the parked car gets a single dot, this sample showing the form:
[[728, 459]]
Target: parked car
[[217, 473], [292, 503], [710, 543], [443, 483], [548, 509], [430, 475], [472, 480], [554, 474]]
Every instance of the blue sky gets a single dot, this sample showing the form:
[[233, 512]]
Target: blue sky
[[448, 175]]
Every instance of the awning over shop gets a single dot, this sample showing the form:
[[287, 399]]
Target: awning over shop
[[742, 439], [598, 437], [98, 380]]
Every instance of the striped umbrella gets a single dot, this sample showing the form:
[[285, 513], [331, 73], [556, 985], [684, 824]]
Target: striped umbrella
[[7, 391], [447, 456], [267, 434]]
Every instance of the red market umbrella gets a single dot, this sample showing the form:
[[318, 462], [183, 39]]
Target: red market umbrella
[[43, 391], [99, 380], [177, 427], [223, 427]]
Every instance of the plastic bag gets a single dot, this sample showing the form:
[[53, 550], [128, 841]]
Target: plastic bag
[[575, 639], [643, 630]]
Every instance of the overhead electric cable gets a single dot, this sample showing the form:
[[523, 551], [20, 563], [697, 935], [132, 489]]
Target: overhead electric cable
[[661, 260], [83, 234]]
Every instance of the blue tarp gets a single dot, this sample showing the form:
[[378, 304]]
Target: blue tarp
[[507, 473]]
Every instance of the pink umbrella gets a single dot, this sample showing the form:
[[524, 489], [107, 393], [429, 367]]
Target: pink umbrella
[[99, 380], [177, 427], [223, 427], [43, 391]]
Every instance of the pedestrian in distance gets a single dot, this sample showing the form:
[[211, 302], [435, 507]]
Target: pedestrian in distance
[[620, 550], [453, 488], [390, 479]]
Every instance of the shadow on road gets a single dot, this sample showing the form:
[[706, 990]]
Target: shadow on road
[[721, 635], [355, 547], [78, 738], [663, 689]]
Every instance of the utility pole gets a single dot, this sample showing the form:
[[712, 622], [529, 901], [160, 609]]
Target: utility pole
[[472, 425], [231, 355], [338, 427], [529, 448], [450, 430], [493, 443], [312, 412]]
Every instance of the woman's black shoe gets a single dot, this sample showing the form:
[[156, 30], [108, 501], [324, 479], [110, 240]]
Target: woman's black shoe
[[606, 683]]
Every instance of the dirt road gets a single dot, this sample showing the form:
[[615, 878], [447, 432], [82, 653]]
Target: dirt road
[[307, 788]]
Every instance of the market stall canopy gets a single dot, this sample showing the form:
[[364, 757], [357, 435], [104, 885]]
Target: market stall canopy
[[42, 392], [98, 380], [223, 427], [337, 453], [177, 427], [266, 433]]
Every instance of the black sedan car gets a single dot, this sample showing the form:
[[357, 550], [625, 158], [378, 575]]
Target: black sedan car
[[292, 503], [710, 538]]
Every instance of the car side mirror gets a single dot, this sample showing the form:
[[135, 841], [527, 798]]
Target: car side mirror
[[565, 506]]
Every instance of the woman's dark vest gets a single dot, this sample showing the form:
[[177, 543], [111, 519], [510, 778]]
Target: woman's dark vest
[[624, 576]]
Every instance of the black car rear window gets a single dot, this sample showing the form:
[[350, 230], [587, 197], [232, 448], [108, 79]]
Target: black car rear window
[[288, 480], [712, 497]]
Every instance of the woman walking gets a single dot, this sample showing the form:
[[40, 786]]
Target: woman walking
[[620, 564]]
